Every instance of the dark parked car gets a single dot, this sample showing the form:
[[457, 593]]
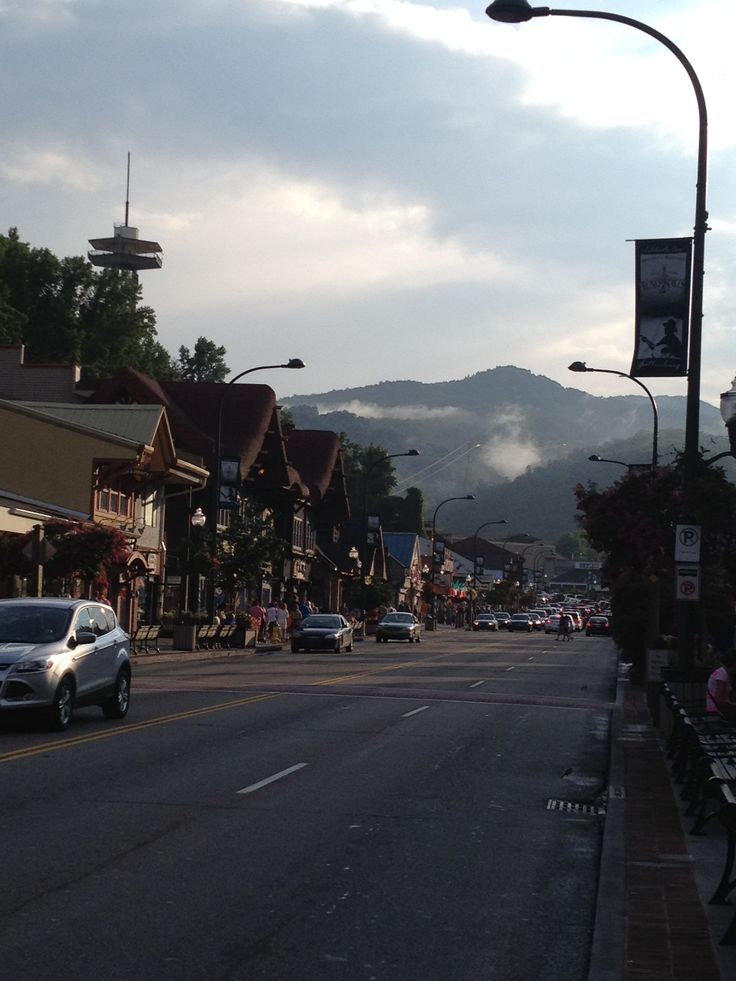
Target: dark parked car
[[598, 625], [323, 631], [485, 621], [521, 621], [59, 654], [398, 626]]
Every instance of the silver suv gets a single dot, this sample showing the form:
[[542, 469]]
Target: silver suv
[[57, 654]]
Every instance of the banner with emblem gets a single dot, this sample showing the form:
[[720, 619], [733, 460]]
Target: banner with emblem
[[662, 315]]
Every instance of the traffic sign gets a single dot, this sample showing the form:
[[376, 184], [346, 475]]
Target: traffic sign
[[687, 543], [687, 582]]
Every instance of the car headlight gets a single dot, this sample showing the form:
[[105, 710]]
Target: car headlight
[[330, 636], [34, 664]]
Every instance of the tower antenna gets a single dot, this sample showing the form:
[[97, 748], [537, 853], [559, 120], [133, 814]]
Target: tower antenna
[[127, 191]]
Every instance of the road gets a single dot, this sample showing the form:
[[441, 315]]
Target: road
[[425, 812]]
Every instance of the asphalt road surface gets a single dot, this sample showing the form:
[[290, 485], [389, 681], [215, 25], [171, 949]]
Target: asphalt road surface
[[428, 812]]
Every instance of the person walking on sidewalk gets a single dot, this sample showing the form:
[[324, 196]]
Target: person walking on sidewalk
[[271, 619], [282, 619]]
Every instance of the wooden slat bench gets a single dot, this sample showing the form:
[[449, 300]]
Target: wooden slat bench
[[144, 637]]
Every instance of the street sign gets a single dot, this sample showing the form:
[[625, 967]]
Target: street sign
[[687, 582], [687, 543], [588, 565]]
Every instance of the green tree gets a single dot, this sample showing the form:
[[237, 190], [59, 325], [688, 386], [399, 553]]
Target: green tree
[[65, 311], [632, 522], [287, 420], [247, 549], [366, 473], [403, 513], [574, 545], [205, 364]]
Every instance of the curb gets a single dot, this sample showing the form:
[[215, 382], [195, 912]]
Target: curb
[[609, 926], [203, 655]]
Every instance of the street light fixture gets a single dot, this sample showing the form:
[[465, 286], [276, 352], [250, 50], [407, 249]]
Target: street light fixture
[[291, 363], [728, 414], [581, 366], [364, 518], [631, 467], [519, 11], [500, 521], [465, 497]]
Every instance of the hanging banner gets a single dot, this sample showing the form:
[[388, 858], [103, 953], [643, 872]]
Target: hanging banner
[[229, 482], [662, 307]]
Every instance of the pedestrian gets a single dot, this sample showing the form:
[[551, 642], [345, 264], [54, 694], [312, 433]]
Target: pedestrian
[[719, 695], [271, 619], [564, 628], [295, 617], [255, 611], [282, 619]]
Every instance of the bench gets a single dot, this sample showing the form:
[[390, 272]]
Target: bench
[[226, 635], [144, 637], [703, 748], [206, 636]]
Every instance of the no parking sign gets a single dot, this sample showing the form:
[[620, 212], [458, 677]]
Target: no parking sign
[[687, 582]]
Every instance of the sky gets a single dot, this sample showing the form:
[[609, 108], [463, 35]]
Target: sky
[[387, 189]]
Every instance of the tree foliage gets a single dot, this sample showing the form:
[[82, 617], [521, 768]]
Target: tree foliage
[[248, 549], [632, 524], [574, 545], [206, 363], [366, 463], [403, 513], [65, 311]]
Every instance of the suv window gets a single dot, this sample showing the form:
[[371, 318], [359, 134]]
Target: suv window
[[97, 615], [84, 620]]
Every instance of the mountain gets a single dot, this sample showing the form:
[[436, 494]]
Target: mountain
[[518, 441]]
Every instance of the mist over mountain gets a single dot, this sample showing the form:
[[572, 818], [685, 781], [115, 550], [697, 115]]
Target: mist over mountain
[[520, 442]]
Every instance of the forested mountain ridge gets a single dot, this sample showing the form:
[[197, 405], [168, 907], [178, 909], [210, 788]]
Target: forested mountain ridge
[[518, 441]]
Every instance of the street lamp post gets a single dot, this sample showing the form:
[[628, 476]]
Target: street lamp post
[[581, 366], [291, 363], [364, 518], [519, 11], [197, 520], [540, 566], [500, 521], [465, 497]]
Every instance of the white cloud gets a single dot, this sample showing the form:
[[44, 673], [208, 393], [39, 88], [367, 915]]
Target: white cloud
[[255, 233], [48, 166]]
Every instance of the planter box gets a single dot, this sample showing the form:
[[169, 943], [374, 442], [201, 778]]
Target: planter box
[[184, 637]]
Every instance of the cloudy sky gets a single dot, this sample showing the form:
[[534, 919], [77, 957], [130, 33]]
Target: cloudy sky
[[388, 189]]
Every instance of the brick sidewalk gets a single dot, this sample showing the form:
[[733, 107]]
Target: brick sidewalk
[[666, 933]]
